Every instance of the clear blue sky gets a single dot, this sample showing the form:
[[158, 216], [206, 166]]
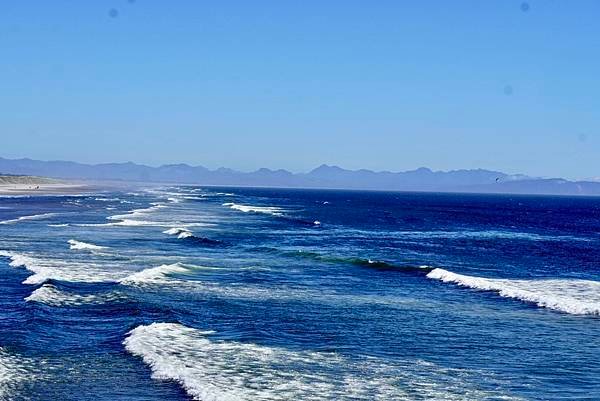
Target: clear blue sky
[[385, 85]]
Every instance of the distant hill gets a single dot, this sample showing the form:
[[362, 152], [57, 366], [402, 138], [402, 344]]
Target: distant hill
[[325, 176], [11, 179]]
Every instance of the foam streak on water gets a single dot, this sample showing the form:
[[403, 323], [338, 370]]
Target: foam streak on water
[[56, 269], [13, 373], [275, 211], [154, 275], [26, 218], [50, 295], [577, 297], [213, 370], [80, 245]]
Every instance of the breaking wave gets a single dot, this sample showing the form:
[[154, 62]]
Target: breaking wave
[[137, 212], [79, 245], [50, 295], [155, 275], [184, 233], [26, 218], [45, 269], [577, 297], [127, 223], [210, 369], [272, 210], [176, 231]]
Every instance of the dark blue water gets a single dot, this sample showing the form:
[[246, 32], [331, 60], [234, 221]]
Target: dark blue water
[[254, 294]]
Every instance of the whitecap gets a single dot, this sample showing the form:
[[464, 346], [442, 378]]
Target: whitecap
[[175, 231], [214, 370], [181, 232], [26, 218], [272, 210], [50, 295], [143, 223], [573, 296], [45, 269], [154, 275], [79, 245], [137, 212]]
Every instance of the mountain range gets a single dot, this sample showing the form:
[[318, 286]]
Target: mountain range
[[324, 176]]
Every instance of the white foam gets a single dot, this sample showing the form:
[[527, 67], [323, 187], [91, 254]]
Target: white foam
[[58, 225], [577, 297], [26, 218], [143, 223], [127, 223], [181, 232], [50, 295], [137, 212], [108, 199], [47, 268], [213, 370], [13, 372], [154, 275], [272, 210], [185, 234], [175, 231], [79, 245], [139, 218]]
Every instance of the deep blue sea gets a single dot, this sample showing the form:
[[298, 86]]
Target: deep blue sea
[[180, 293]]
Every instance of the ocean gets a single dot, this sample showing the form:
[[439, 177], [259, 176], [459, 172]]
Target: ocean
[[179, 293]]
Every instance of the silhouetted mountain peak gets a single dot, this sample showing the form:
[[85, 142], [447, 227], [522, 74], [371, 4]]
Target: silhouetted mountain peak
[[325, 168], [324, 176]]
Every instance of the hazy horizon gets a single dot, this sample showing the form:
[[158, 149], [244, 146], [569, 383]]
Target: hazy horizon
[[275, 168]]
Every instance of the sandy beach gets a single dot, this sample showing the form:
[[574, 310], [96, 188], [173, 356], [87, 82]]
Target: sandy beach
[[43, 189]]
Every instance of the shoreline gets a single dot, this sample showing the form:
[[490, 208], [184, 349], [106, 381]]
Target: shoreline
[[43, 189]]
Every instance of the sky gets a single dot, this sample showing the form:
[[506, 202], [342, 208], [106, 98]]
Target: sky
[[383, 85]]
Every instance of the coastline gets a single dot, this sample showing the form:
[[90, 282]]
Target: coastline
[[43, 189]]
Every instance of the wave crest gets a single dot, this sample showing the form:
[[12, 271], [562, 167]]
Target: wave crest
[[577, 297], [209, 369], [80, 245], [50, 295], [184, 233], [32, 217], [272, 210], [45, 269], [154, 275]]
